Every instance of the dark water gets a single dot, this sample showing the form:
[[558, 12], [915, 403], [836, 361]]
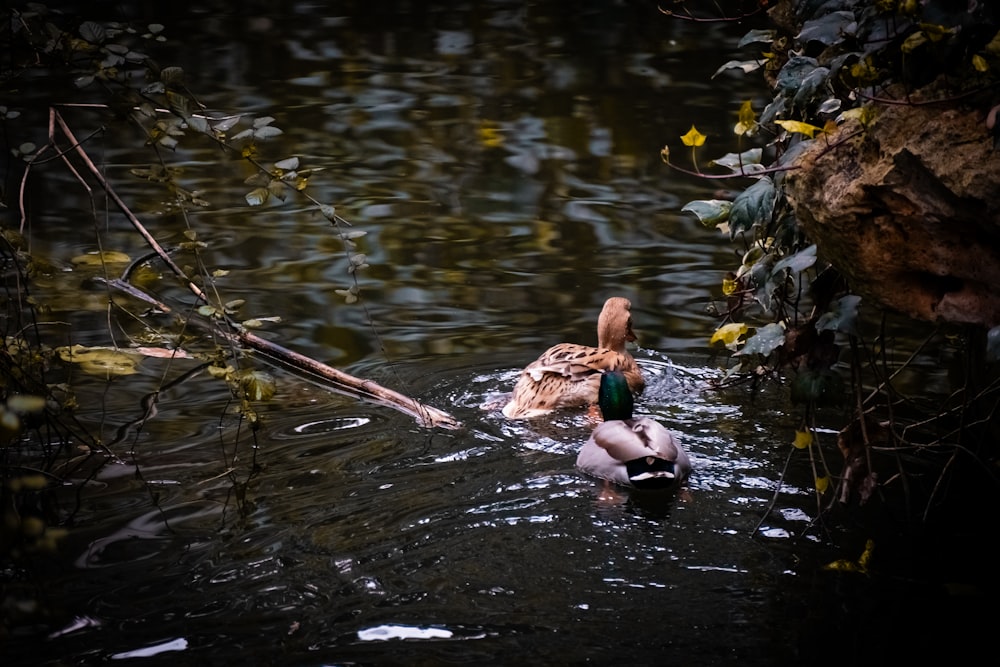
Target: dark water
[[361, 538]]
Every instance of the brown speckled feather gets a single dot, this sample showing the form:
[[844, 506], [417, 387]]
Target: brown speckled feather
[[568, 374]]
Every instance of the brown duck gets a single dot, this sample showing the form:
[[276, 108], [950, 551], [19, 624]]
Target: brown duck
[[569, 375]]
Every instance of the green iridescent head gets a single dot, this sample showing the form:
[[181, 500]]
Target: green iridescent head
[[614, 396]]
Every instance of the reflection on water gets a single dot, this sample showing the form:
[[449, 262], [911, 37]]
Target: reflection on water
[[503, 159]]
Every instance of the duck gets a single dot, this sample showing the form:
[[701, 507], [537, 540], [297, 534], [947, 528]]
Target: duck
[[631, 451], [568, 374]]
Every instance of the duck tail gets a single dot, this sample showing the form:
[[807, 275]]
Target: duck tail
[[650, 472]]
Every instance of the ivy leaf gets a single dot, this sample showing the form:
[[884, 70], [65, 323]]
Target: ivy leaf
[[753, 206], [746, 65], [765, 341], [745, 162], [798, 262], [266, 132], [747, 123], [802, 439], [693, 138], [755, 36], [709, 211], [811, 84], [795, 70], [288, 164], [93, 32], [842, 316], [729, 334], [828, 29]]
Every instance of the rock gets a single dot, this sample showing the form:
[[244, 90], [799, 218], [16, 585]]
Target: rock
[[909, 209]]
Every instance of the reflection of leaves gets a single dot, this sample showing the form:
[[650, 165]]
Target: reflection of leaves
[[993, 344], [842, 315], [257, 385], [257, 196], [821, 387], [102, 361]]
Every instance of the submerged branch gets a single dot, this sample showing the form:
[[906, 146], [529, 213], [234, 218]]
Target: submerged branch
[[346, 383]]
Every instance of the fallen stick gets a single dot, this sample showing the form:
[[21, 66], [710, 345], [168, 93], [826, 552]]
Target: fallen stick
[[425, 415]]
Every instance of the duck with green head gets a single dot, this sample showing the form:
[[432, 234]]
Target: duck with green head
[[631, 451]]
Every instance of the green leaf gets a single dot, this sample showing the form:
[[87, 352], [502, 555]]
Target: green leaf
[[755, 36], [93, 32], [709, 211], [800, 261], [842, 316], [791, 75], [813, 84], [172, 75], [288, 164], [747, 161], [257, 385], [753, 206], [765, 341], [197, 123], [828, 29], [746, 65], [257, 196], [266, 132]]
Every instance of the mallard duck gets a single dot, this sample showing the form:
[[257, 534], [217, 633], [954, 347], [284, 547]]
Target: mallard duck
[[568, 375], [637, 452]]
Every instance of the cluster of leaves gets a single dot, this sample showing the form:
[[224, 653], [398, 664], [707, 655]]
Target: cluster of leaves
[[828, 62]]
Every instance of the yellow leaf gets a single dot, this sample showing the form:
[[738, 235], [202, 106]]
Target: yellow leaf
[[866, 556], [798, 126], [822, 484], [730, 285], [729, 334], [96, 260], [860, 566], [802, 439], [980, 63], [102, 361], [747, 119], [693, 137], [490, 134]]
